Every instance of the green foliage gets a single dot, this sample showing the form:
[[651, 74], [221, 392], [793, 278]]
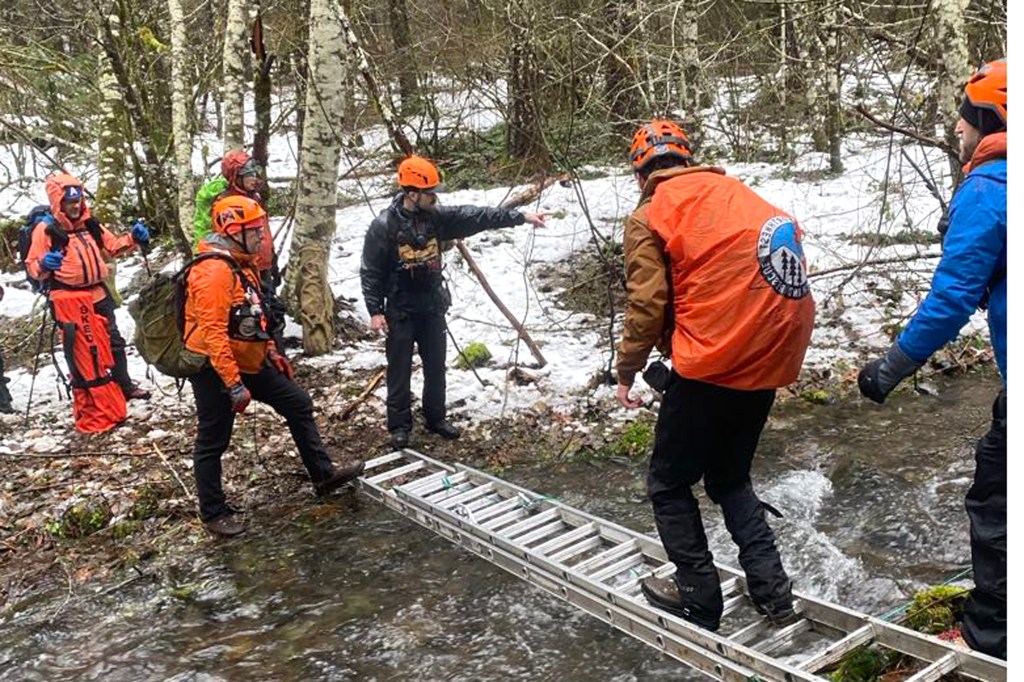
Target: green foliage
[[864, 664], [149, 39], [147, 502], [816, 397], [936, 609], [473, 355], [81, 519], [908, 236], [636, 440]]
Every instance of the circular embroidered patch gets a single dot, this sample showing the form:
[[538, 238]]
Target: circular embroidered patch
[[782, 257]]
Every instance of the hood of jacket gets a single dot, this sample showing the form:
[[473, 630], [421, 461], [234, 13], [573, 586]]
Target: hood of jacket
[[55, 186], [659, 176], [221, 242], [991, 148]]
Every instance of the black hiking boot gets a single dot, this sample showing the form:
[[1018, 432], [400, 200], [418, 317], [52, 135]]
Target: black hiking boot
[[227, 526], [666, 594], [778, 614], [339, 477], [6, 400], [135, 392], [400, 439], [445, 429]]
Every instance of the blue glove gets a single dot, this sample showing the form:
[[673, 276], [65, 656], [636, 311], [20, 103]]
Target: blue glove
[[880, 376], [140, 233], [52, 261]]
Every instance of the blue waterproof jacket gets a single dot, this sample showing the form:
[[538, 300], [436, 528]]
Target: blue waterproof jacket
[[973, 261]]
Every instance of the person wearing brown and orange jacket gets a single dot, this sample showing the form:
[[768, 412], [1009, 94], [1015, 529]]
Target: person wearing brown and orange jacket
[[225, 321], [721, 271], [77, 263]]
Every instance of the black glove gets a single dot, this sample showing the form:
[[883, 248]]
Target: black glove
[[879, 377]]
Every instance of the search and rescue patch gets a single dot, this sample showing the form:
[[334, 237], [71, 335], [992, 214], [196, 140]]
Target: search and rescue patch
[[781, 256]]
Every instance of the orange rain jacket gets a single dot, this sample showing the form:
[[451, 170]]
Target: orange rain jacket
[[721, 268], [213, 289], [83, 266]]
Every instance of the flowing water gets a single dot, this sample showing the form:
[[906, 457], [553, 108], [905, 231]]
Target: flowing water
[[873, 504]]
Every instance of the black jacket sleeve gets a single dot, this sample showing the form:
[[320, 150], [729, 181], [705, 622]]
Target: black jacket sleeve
[[459, 222], [374, 271]]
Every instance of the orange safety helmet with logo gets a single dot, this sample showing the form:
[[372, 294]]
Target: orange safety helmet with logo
[[658, 139], [742, 306], [417, 173]]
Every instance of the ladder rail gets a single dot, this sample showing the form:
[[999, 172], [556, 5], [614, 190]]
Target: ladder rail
[[539, 540]]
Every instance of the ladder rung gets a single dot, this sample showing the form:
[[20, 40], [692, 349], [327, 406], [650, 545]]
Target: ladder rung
[[382, 460], [495, 509], [517, 512], [946, 664], [749, 632], [451, 491], [483, 502], [395, 473], [838, 649], [532, 522], [634, 585], [733, 603], [729, 586], [610, 554], [426, 483], [563, 540], [544, 531], [587, 544], [782, 636], [467, 496], [618, 567]]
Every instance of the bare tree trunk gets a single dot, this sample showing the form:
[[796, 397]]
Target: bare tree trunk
[[951, 48], [524, 139], [621, 66], [306, 289], [110, 162], [833, 89], [233, 89], [691, 95], [181, 104], [261, 91], [398, 14]]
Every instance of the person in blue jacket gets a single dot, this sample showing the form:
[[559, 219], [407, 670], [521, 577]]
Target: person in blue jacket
[[971, 274]]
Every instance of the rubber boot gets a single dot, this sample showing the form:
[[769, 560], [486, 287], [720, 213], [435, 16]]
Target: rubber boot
[[767, 582], [696, 594]]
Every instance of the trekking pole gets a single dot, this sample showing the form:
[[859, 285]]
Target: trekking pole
[[35, 367]]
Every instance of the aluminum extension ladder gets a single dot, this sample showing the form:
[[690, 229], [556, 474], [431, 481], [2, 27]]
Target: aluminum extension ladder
[[597, 566]]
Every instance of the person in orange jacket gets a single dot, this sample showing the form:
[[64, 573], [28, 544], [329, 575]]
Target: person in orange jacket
[[75, 261], [245, 178], [225, 321], [716, 278]]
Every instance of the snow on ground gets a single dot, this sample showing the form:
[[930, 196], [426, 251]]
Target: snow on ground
[[851, 319]]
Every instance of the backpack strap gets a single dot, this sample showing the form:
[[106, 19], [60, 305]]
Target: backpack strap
[[181, 279]]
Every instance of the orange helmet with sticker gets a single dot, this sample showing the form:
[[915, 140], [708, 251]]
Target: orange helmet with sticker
[[235, 213], [657, 139], [417, 173]]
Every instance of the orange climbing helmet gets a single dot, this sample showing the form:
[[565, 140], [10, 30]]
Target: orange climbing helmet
[[987, 88], [235, 213], [656, 139], [417, 173]]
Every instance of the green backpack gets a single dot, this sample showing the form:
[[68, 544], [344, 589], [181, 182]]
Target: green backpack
[[159, 314], [202, 220]]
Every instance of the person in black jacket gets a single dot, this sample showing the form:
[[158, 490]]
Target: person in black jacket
[[404, 289]]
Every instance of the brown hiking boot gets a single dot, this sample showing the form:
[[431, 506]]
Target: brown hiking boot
[[339, 477], [227, 526], [779, 614], [664, 593], [135, 392]]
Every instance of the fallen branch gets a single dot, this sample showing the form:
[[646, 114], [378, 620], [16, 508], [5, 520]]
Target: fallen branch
[[924, 139], [370, 388], [188, 493], [877, 261]]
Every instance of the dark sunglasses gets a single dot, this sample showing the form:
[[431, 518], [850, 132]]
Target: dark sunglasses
[[250, 168]]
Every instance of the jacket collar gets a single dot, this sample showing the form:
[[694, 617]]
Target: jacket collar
[[991, 148]]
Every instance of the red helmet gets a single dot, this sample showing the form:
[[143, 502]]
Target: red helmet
[[235, 213], [658, 138], [415, 172], [987, 88]]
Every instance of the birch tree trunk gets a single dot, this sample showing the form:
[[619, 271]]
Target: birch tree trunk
[[110, 164], [233, 88], [307, 291], [691, 94], [181, 103], [953, 67], [833, 89]]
